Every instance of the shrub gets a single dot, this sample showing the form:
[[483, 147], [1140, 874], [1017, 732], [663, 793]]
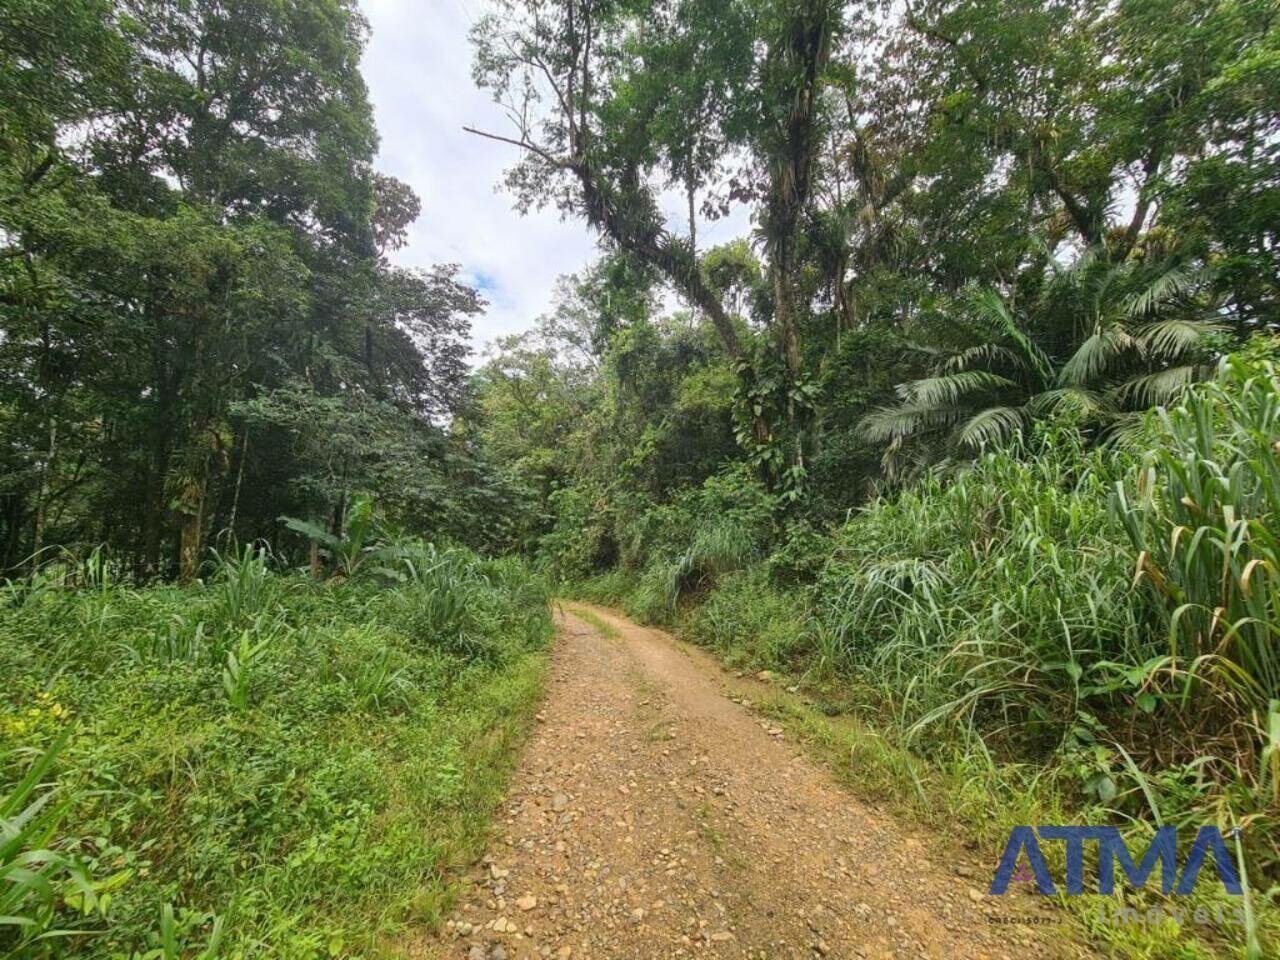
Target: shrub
[[752, 621]]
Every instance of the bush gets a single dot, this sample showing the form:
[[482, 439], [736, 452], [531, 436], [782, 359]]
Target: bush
[[753, 622]]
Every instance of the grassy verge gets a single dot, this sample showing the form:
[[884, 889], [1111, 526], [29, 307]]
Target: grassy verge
[[262, 765], [605, 629]]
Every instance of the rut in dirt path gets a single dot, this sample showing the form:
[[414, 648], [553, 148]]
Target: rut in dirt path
[[654, 817]]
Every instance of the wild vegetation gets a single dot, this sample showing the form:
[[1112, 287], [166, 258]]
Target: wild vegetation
[[211, 375], [202, 326], [929, 360], [260, 762]]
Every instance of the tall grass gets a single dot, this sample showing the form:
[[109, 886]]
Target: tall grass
[[1049, 600], [989, 602], [1204, 519], [243, 585], [473, 609]]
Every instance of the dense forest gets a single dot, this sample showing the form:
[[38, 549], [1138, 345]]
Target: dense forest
[[202, 330], [972, 432]]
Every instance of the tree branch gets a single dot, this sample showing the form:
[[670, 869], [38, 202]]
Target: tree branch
[[524, 144]]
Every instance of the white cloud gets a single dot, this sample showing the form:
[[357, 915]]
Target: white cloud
[[418, 68]]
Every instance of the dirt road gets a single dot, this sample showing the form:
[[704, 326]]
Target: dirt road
[[654, 817]]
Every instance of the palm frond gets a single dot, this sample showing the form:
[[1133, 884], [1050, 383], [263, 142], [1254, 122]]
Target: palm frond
[[990, 307], [993, 425], [1169, 339], [1173, 283], [902, 460], [1164, 386], [894, 423], [985, 354], [1070, 401], [1079, 272], [1095, 355], [949, 389], [928, 349], [1106, 278], [1129, 432]]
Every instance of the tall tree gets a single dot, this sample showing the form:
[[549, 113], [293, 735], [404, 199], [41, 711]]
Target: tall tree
[[603, 96]]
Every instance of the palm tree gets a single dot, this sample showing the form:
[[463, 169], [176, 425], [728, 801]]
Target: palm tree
[[1102, 339]]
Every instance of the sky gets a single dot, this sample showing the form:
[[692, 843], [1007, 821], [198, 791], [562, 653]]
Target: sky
[[418, 69]]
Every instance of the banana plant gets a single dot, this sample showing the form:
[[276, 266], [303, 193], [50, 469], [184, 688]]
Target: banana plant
[[357, 542]]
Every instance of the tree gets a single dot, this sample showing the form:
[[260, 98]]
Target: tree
[[614, 102], [1103, 338], [190, 223]]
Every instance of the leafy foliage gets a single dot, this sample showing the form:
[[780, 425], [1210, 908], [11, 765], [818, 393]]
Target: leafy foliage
[[1140, 339], [201, 330]]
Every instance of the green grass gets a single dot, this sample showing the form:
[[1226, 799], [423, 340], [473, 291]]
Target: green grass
[[308, 764], [606, 629]]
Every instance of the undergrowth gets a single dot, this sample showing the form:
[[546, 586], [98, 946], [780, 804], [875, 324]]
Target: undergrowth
[[259, 765]]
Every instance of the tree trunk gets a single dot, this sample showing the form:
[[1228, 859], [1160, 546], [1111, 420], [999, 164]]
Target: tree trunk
[[235, 497], [799, 59], [785, 318], [693, 219], [192, 542], [42, 499], [154, 504], [14, 516]]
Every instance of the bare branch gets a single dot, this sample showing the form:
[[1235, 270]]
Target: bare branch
[[524, 144]]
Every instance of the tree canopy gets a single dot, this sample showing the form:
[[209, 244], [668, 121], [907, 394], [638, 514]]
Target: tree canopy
[[201, 327], [1023, 208]]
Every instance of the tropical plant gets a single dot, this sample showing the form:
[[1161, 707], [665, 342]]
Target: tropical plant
[[36, 878], [1101, 339], [355, 543], [243, 584], [1203, 516], [237, 675]]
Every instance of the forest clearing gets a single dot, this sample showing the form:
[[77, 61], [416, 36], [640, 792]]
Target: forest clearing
[[825, 502]]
